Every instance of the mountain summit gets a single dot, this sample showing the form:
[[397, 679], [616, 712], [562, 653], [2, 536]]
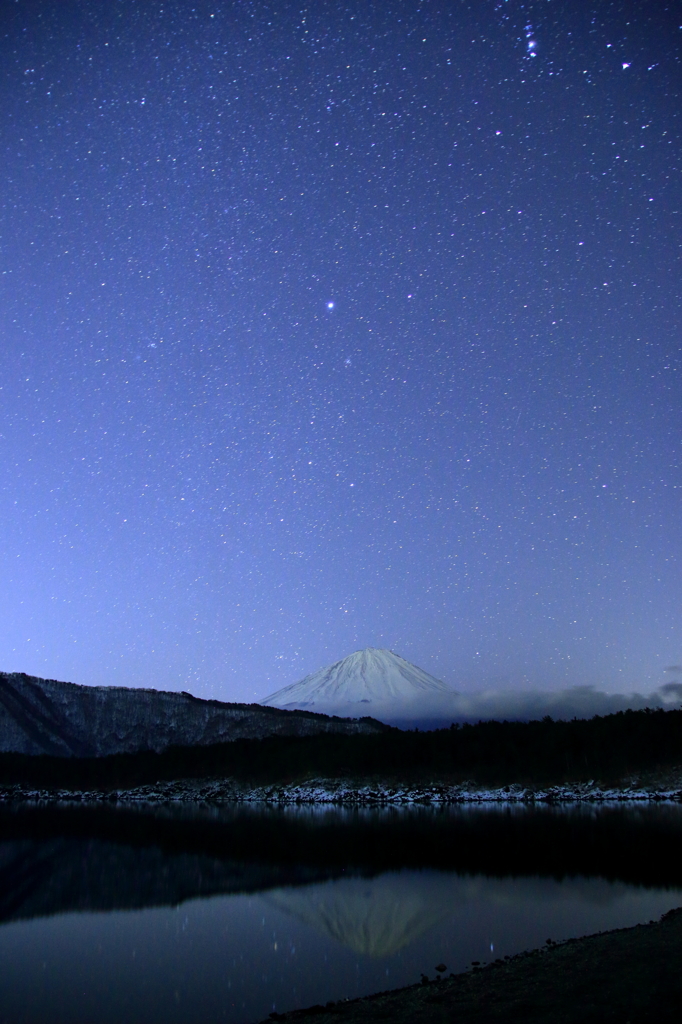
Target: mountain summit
[[370, 682]]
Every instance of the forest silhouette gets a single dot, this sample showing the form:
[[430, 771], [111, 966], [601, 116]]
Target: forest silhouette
[[605, 748]]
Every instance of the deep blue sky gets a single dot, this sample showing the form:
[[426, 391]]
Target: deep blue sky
[[214, 479]]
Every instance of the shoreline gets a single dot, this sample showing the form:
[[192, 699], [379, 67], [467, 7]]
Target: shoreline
[[628, 976], [329, 793]]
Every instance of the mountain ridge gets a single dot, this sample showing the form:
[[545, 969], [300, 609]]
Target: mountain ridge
[[48, 716]]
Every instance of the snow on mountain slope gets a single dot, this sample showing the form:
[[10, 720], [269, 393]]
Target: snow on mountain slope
[[381, 684], [45, 716], [374, 681]]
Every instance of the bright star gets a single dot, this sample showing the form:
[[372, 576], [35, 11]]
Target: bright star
[[330, 305]]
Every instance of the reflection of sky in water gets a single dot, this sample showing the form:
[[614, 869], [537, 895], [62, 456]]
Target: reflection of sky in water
[[235, 957]]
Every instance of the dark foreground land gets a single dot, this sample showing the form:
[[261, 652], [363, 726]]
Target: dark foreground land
[[631, 975]]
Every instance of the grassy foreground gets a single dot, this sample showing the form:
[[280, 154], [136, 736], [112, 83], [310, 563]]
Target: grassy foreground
[[629, 976], [546, 752]]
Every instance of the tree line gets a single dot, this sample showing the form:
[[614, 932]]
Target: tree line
[[605, 748]]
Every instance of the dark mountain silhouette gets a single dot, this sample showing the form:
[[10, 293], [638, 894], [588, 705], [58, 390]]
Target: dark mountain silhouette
[[45, 716]]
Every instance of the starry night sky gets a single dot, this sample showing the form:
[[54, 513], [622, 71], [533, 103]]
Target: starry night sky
[[332, 326]]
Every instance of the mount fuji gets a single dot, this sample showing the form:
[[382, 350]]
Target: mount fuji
[[381, 684], [373, 682]]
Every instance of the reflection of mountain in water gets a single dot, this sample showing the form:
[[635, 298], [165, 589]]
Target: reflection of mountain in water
[[60, 875], [388, 877], [373, 916], [379, 916]]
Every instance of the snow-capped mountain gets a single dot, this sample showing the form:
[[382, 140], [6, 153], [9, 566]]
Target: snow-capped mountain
[[373, 682], [381, 684], [46, 716]]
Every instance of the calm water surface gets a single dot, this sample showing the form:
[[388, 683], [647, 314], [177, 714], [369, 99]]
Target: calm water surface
[[181, 929]]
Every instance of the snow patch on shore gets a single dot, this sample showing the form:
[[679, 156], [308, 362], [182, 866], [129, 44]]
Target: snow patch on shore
[[325, 792]]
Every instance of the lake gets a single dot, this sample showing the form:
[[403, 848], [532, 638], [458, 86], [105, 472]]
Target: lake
[[180, 914]]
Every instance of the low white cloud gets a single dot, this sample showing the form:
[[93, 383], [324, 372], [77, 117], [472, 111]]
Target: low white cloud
[[499, 705]]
